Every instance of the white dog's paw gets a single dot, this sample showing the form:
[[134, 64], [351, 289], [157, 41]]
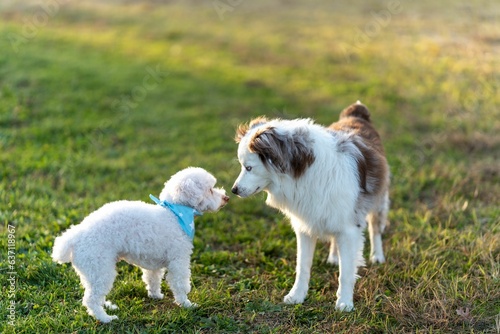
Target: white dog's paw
[[377, 258], [108, 318], [155, 295], [186, 303], [110, 305], [344, 306], [294, 297]]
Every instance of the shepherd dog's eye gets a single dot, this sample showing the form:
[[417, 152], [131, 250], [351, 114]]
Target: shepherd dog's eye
[[248, 168]]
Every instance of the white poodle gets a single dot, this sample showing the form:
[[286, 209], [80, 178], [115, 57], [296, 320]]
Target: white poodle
[[153, 237]]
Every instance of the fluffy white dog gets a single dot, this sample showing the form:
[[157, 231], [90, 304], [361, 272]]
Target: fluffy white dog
[[327, 180], [153, 237]]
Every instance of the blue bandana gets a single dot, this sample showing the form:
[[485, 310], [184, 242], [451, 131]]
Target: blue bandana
[[185, 215]]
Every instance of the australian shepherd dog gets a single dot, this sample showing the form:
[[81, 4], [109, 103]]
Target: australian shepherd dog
[[330, 181]]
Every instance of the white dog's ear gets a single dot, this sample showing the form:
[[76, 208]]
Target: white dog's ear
[[191, 192], [244, 128], [286, 152]]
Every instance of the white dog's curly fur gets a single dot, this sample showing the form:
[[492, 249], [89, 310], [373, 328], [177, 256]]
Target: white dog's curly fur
[[146, 235], [327, 180]]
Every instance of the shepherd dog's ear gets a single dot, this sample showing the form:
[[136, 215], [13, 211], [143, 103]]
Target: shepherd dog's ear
[[285, 152], [244, 128]]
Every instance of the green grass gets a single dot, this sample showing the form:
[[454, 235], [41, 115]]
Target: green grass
[[81, 125]]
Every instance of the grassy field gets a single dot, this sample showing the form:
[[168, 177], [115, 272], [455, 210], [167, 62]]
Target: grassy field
[[100, 102]]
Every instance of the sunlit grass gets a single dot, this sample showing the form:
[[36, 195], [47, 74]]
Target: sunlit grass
[[79, 127]]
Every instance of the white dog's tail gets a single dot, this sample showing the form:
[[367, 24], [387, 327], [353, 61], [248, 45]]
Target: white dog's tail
[[62, 251]]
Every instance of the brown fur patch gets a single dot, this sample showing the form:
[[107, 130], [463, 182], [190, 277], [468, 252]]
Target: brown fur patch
[[349, 122], [287, 153], [372, 168], [243, 129], [356, 110], [372, 165]]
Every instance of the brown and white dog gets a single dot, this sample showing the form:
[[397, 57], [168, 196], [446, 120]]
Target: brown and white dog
[[328, 181]]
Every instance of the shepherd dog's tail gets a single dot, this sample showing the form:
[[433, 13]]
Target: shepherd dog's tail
[[358, 110]]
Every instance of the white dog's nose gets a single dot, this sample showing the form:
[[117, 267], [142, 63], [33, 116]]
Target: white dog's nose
[[234, 190]]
